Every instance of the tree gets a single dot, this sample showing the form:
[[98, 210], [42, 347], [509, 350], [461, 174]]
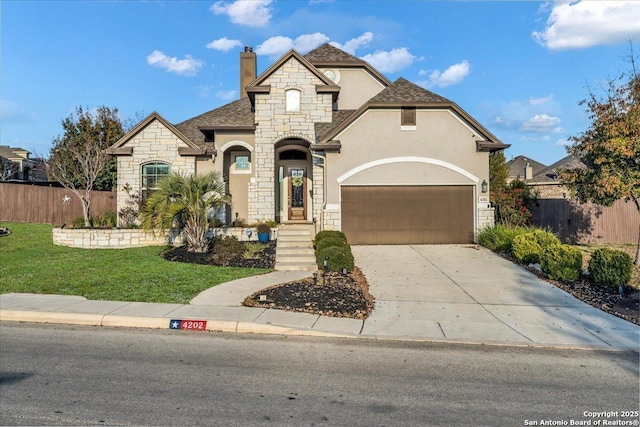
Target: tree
[[610, 147], [185, 201], [511, 201], [8, 169], [78, 159]]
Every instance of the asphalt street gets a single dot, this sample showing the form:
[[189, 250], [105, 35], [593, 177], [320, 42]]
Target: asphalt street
[[82, 375]]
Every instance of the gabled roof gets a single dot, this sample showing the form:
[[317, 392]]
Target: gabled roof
[[550, 173], [328, 56], [518, 164], [235, 115], [403, 93], [119, 149], [14, 153], [337, 118], [256, 86]]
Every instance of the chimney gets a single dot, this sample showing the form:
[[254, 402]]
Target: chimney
[[528, 171], [248, 69]]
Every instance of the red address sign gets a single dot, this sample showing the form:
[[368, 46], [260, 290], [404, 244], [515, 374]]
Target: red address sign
[[191, 325]]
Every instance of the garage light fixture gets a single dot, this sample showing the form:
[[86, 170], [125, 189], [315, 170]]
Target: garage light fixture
[[485, 186]]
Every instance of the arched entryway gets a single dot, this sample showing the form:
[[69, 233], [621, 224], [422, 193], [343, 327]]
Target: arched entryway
[[293, 167]]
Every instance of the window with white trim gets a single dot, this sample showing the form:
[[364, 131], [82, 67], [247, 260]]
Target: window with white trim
[[152, 173], [292, 100]]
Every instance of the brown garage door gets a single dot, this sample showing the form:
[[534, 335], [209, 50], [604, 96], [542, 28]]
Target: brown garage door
[[407, 214]]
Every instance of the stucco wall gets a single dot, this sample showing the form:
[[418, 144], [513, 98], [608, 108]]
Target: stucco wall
[[447, 149], [357, 86]]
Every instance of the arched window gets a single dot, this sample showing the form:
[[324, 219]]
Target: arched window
[[292, 99], [151, 174]]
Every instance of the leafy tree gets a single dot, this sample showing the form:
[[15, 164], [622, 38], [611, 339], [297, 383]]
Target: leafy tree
[[78, 159], [610, 148], [8, 169], [185, 201], [511, 201], [498, 170]]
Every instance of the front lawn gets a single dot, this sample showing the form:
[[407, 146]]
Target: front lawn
[[31, 263]]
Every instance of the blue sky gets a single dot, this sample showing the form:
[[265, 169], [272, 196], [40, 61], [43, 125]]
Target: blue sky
[[520, 68]]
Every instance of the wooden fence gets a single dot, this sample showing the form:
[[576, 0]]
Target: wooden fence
[[588, 223], [48, 205]]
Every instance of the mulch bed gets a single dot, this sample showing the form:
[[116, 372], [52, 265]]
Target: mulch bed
[[336, 294], [625, 306], [264, 259]]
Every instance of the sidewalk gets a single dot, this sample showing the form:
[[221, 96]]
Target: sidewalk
[[423, 293]]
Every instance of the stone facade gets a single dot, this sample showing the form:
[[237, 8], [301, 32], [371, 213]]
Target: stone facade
[[155, 143], [275, 124], [486, 217]]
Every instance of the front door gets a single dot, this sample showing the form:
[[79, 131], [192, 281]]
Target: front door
[[297, 187]]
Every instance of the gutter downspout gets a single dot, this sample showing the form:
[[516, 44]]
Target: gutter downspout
[[324, 189]]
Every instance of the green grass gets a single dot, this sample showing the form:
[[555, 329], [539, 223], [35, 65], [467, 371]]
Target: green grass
[[31, 263]]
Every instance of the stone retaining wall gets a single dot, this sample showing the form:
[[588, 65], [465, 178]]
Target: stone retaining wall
[[132, 238]]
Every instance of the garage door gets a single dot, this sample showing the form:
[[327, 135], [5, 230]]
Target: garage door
[[407, 214]]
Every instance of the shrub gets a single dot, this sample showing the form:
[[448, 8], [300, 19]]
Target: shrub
[[500, 237], [330, 233], [263, 227], [108, 220], [77, 222], [561, 262], [330, 241], [227, 249], [608, 267], [545, 238], [527, 247], [339, 257]]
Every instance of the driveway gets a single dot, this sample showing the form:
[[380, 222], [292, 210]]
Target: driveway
[[467, 293]]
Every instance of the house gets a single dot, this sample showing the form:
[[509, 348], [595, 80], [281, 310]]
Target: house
[[326, 139], [523, 168], [16, 164], [544, 180]]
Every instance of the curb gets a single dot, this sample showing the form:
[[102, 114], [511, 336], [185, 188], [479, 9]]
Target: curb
[[232, 326]]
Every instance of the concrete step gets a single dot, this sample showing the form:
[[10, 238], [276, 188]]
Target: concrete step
[[295, 238], [294, 266], [295, 250], [300, 258], [294, 232], [293, 244]]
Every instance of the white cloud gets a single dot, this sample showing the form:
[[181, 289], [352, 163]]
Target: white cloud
[[451, 76], [350, 46], [589, 23], [563, 142], [185, 67], [538, 101], [224, 44], [277, 45], [226, 95], [255, 13], [390, 61], [542, 123]]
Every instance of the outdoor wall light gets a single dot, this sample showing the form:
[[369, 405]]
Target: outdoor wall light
[[485, 186]]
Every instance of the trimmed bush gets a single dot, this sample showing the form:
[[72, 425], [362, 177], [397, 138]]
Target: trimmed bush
[[330, 241], [561, 262], [608, 267], [339, 257], [330, 233], [545, 238], [528, 247]]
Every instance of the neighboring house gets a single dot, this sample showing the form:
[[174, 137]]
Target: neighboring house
[[325, 138], [543, 180], [523, 168], [16, 165]]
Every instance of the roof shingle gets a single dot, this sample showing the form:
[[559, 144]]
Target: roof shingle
[[402, 91]]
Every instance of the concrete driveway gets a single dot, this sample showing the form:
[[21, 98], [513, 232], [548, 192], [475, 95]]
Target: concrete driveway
[[467, 293]]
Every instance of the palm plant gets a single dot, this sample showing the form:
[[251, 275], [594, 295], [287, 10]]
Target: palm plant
[[184, 201]]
